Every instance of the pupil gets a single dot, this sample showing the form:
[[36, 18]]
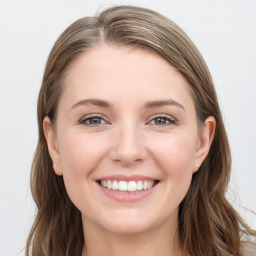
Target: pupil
[[160, 120], [95, 120]]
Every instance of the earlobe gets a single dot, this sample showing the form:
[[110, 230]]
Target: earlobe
[[52, 144], [205, 139]]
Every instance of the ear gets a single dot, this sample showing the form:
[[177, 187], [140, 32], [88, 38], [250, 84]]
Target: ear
[[51, 138], [205, 139]]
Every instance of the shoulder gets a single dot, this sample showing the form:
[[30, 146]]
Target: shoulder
[[249, 249]]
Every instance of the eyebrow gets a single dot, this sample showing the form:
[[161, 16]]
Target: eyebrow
[[94, 102], [106, 104], [162, 103]]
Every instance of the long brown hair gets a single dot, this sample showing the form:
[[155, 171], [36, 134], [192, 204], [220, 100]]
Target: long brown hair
[[208, 224]]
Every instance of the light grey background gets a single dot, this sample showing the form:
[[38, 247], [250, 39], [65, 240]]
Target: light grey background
[[225, 33]]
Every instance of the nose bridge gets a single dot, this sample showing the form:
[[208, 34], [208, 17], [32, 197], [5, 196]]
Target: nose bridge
[[128, 147]]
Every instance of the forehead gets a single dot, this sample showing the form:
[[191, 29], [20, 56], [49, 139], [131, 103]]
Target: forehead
[[124, 73]]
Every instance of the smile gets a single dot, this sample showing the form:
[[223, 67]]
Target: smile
[[129, 186], [124, 188]]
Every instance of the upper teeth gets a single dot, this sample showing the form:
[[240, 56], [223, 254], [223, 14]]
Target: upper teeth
[[127, 185]]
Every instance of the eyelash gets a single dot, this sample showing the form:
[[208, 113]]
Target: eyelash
[[91, 117], [168, 120]]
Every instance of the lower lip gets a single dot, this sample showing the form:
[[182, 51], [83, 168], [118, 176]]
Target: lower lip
[[125, 196]]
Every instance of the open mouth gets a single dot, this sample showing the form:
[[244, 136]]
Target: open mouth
[[129, 186]]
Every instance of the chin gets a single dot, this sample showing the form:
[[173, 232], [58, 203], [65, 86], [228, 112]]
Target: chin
[[129, 222]]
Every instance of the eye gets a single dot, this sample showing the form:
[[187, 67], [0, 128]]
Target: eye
[[93, 121], [162, 121]]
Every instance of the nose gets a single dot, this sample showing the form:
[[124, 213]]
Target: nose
[[128, 147]]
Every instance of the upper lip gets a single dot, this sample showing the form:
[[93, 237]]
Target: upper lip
[[127, 177]]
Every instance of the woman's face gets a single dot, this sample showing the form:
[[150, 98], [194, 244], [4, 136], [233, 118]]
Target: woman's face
[[126, 121]]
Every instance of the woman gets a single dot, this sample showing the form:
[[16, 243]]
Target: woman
[[132, 156]]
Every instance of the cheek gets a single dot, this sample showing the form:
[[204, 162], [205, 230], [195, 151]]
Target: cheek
[[175, 156], [175, 153], [80, 153]]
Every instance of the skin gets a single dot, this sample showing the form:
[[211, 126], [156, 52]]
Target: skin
[[128, 138]]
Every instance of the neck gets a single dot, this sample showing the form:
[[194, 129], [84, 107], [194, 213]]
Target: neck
[[159, 241]]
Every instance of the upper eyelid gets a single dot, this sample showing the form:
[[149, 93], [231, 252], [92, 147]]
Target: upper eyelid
[[92, 115], [86, 117], [163, 116]]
